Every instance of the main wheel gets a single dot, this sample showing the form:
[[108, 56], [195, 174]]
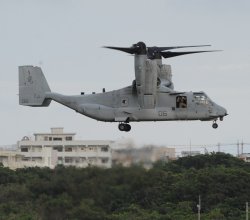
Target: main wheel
[[122, 127], [215, 125], [127, 127]]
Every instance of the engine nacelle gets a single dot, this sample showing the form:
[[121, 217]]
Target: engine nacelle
[[165, 76]]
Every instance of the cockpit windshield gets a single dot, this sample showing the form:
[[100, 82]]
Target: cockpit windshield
[[201, 98]]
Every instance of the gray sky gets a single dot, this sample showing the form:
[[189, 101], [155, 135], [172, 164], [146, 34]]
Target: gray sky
[[65, 39]]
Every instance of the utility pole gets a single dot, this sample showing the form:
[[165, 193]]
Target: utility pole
[[218, 147], [199, 208], [242, 144], [246, 210], [238, 148], [190, 145]]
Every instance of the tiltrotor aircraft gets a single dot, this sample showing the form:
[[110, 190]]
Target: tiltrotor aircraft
[[151, 97]]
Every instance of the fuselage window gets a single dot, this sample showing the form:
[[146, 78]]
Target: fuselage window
[[124, 102], [181, 102]]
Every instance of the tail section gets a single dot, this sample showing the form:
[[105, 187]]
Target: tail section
[[33, 87]]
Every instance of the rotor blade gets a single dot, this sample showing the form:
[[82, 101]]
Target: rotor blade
[[169, 54], [154, 52], [130, 50], [177, 47]]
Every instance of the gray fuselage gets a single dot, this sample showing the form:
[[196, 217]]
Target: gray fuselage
[[122, 106]]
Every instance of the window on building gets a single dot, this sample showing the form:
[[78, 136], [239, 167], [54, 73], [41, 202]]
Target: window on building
[[68, 149], [59, 160], [58, 148], [24, 149], [83, 148], [105, 160], [68, 138], [105, 149], [68, 159], [92, 159], [83, 159], [57, 139], [92, 147], [46, 138], [25, 159], [37, 159], [50, 138]]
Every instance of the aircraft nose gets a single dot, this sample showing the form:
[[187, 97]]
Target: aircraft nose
[[219, 111], [225, 111], [222, 111]]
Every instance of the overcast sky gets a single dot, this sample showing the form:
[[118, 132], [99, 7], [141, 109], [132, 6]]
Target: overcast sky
[[65, 38]]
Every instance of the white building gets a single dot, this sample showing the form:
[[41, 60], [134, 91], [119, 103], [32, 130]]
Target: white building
[[245, 157], [10, 159], [57, 147]]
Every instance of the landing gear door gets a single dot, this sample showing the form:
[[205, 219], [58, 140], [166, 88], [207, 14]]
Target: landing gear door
[[181, 107]]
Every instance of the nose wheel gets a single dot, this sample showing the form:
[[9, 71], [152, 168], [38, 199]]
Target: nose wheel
[[215, 125], [124, 127]]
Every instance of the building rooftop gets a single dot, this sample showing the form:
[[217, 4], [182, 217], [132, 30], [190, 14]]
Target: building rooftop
[[55, 131]]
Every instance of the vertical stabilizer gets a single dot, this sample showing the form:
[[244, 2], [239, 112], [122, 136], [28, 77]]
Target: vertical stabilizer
[[33, 87]]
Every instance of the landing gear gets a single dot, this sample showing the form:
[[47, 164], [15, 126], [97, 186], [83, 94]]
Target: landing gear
[[124, 127], [215, 125]]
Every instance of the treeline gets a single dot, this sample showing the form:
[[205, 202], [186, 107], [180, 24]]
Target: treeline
[[168, 191]]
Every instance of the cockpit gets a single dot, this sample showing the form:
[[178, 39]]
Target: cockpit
[[201, 98]]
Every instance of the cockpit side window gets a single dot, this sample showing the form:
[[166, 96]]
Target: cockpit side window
[[201, 99], [181, 101]]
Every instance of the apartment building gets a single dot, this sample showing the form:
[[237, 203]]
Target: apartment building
[[60, 148]]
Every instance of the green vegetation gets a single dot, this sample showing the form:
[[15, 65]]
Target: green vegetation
[[168, 191]]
